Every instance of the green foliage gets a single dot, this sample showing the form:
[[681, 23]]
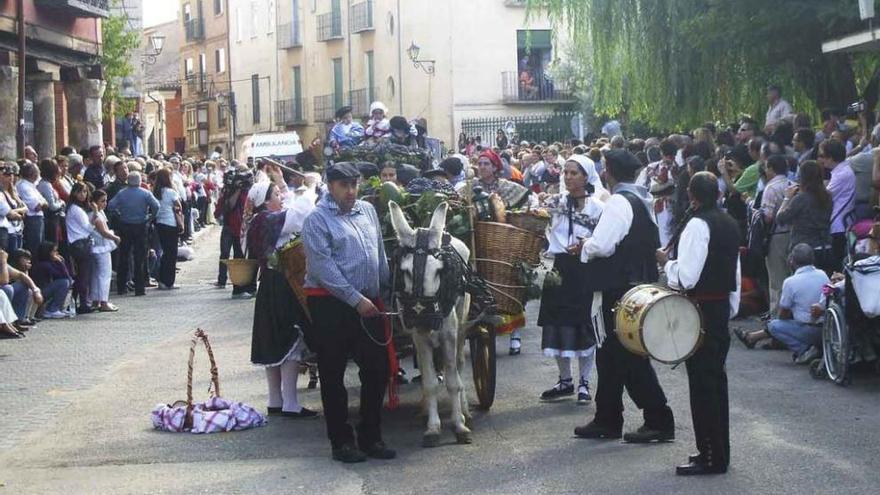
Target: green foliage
[[678, 63], [118, 45]]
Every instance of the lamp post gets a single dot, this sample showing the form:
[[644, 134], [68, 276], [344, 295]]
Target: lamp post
[[426, 65], [157, 43]]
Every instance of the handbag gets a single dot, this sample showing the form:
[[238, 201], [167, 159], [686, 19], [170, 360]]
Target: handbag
[[82, 247], [178, 216], [214, 415]]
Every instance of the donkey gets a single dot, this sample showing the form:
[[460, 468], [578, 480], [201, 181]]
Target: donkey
[[434, 306]]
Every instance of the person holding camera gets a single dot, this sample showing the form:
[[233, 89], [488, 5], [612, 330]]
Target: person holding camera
[[230, 213], [806, 208]]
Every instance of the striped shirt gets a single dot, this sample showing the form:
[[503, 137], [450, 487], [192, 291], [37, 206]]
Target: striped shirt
[[344, 251]]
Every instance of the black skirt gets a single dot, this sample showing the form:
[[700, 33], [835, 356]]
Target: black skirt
[[278, 319], [565, 308]]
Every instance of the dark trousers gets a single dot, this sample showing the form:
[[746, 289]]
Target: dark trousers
[[338, 335], [83, 263], [618, 368], [707, 378], [51, 227], [229, 242], [33, 233], [168, 264], [838, 251], [134, 245]]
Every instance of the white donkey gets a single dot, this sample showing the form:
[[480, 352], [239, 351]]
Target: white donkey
[[434, 312]]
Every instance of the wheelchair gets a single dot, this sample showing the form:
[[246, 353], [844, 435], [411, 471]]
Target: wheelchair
[[850, 338]]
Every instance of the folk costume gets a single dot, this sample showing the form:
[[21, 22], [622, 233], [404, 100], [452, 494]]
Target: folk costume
[[621, 255], [709, 274], [279, 319], [567, 331], [346, 262]]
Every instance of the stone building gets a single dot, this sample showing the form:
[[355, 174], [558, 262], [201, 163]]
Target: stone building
[[442, 61], [161, 110], [64, 87], [204, 74]]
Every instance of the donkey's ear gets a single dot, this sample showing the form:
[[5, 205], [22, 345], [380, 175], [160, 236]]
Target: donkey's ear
[[438, 219], [398, 221]]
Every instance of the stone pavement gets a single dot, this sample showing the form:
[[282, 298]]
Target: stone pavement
[[78, 395]]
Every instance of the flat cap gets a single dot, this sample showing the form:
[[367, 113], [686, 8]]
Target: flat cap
[[342, 171], [623, 160]]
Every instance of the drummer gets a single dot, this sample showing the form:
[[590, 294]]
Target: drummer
[[619, 256], [567, 329], [704, 262]]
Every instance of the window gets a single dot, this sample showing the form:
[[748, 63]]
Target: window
[[187, 12], [253, 18], [534, 52], [203, 63], [221, 116], [390, 85], [255, 97], [220, 60], [188, 66], [190, 118], [297, 94], [218, 7], [271, 18], [238, 30], [192, 131], [371, 93], [337, 82]]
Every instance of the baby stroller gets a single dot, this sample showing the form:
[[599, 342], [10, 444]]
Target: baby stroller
[[851, 331]]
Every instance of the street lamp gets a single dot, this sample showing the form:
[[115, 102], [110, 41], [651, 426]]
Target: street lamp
[[157, 43], [413, 53]]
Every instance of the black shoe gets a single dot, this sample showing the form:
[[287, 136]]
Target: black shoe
[[596, 431], [271, 411], [515, 351], [698, 468], [379, 450], [84, 310], [348, 454], [302, 414], [695, 458], [563, 388], [649, 435], [583, 393]]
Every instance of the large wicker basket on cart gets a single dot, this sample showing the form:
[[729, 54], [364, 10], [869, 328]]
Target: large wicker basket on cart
[[500, 249]]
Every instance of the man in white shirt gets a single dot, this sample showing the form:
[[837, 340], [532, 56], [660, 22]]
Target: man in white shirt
[[704, 263], [619, 256], [35, 202], [778, 108]]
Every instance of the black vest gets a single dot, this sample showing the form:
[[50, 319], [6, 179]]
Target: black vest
[[633, 261], [719, 271]]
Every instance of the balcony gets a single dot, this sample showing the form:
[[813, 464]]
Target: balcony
[[289, 35], [360, 100], [533, 88], [197, 83], [326, 106], [290, 112], [330, 26], [79, 8], [195, 30], [362, 17]]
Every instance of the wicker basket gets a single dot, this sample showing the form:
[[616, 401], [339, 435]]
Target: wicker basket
[[241, 271], [293, 264], [503, 242], [529, 221], [504, 281]]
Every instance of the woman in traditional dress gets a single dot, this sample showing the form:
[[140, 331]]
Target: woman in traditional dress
[[279, 319], [565, 312]]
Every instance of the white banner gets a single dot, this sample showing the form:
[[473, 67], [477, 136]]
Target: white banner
[[279, 145]]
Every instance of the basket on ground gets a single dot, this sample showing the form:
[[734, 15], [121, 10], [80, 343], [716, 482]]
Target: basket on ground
[[241, 271]]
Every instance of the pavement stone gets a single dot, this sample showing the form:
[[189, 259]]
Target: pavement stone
[[87, 426]]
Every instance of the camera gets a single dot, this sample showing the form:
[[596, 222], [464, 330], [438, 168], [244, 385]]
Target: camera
[[856, 108]]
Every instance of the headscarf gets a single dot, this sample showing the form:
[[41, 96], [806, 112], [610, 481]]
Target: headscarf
[[258, 193], [588, 168], [495, 159], [378, 105]]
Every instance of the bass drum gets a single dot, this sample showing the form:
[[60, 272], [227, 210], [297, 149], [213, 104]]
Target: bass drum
[[657, 322]]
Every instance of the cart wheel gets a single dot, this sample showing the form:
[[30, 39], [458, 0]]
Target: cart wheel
[[482, 343], [817, 369], [835, 343]]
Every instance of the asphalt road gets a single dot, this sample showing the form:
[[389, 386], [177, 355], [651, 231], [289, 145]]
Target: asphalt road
[[77, 396]]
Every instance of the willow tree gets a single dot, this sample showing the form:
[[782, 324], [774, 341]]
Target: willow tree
[[677, 63]]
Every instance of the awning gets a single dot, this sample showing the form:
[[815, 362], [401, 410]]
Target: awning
[[534, 39], [867, 40]]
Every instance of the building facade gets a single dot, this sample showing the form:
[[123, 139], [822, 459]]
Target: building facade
[[64, 86], [161, 111], [205, 76], [441, 61]]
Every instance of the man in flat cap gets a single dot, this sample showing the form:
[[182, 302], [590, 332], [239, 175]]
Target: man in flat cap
[[347, 271], [346, 132], [619, 256]]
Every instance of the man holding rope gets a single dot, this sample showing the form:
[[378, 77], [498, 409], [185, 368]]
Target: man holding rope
[[347, 270]]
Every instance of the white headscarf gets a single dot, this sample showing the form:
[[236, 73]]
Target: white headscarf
[[258, 192], [589, 169]]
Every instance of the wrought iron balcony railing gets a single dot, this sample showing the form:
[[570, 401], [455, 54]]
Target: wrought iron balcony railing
[[330, 26], [290, 112], [362, 17], [289, 35], [194, 29], [528, 86]]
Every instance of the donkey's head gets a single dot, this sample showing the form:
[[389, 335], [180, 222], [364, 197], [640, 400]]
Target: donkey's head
[[420, 262]]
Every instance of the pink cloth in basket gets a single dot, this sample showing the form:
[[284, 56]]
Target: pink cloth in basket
[[216, 414]]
